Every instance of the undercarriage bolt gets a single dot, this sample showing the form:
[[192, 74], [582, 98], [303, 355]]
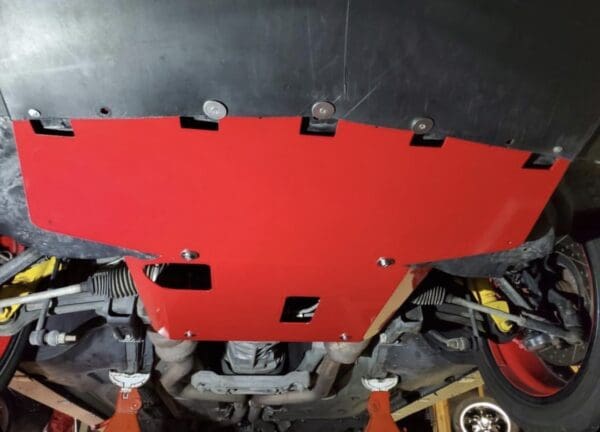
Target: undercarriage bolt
[[54, 338], [385, 262], [33, 113], [422, 125], [189, 255], [322, 110], [214, 110]]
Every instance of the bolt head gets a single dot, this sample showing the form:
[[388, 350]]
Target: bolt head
[[344, 336], [214, 110], [322, 110], [33, 113], [557, 149], [189, 334], [189, 255], [422, 125], [385, 262]]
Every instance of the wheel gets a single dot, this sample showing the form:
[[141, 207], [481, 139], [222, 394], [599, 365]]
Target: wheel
[[558, 387], [5, 414], [481, 414], [11, 349]]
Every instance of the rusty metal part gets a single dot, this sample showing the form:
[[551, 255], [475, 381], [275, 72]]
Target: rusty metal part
[[176, 359], [345, 352], [189, 392], [327, 372]]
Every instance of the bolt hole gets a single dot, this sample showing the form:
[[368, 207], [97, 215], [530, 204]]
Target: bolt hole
[[104, 111]]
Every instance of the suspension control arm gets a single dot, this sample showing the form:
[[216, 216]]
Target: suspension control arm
[[572, 336], [18, 264], [41, 296]]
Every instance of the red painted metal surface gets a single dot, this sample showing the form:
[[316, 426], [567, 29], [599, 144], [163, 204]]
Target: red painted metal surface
[[4, 341], [276, 214], [380, 415], [524, 370], [125, 415]]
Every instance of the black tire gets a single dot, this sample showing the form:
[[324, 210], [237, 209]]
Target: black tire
[[575, 407], [6, 412], [12, 355], [465, 403]]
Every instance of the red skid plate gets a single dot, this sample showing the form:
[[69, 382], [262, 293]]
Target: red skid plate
[[276, 214]]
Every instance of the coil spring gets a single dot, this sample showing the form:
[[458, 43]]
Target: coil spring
[[113, 283], [431, 297]]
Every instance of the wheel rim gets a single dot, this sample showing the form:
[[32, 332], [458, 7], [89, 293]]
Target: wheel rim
[[484, 417], [524, 369], [4, 342]]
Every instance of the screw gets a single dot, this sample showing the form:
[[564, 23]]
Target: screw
[[421, 125], [189, 255], [104, 111], [344, 336], [33, 113], [214, 110], [557, 149], [189, 334], [322, 110], [385, 262]]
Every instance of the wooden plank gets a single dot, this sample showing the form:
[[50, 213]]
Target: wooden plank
[[481, 391], [401, 293], [37, 391], [443, 420], [461, 386]]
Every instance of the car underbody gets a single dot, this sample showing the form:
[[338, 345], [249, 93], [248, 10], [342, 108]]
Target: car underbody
[[257, 212]]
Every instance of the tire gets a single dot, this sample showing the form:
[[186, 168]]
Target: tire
[[5, 412], [575, 407], [469, 402], [9, 359]]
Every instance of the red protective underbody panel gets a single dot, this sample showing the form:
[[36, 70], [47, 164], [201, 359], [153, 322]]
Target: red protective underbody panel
[[277, 214]]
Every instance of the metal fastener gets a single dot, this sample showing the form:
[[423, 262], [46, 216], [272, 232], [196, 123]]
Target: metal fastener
[[189, 255], [188, 334], [33, 113], [322, 110], [422, 125], [385, 262], [214, 110], [557, 149], [344, 336], [104, 111]]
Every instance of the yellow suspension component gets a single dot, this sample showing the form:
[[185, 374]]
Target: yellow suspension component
[[24, 283], [485, 294]]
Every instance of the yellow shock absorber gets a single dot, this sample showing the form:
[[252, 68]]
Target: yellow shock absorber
[[485, 294], [24, 283]]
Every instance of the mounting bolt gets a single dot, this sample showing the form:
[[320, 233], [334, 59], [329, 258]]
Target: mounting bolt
[[214, 110], [421, 125], [344, 336], [189, 334], [557, 149], [322, 110], [33, 113], [385, 262], [189, 255]]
